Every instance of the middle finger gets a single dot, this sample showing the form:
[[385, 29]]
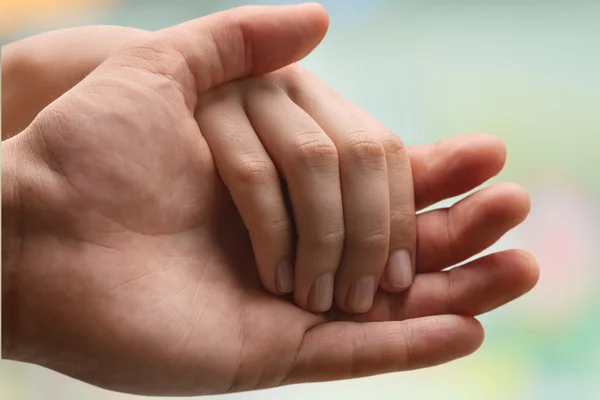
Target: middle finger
[[378, 201], [309, 161]]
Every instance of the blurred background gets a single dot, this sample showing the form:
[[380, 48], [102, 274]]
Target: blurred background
[[525, 71]]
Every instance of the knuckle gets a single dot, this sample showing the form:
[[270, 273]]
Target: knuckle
[[376, 240], [254, 171], [315, 149], [334, 238], [402, 227], [392, 143], [402, 217], [363, 147], [395, 151]]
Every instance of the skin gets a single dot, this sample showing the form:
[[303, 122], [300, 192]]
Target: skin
[[348, 179], [344, 234], [150, 285], [365, 230], [38, 69]]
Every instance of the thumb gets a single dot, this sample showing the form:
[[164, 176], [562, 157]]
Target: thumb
[[232, 44], [346, 350]]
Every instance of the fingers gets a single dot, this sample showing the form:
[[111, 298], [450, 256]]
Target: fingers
[[400, 265], [39, 69], [309, 161], [454, 166], [366, 196], [345, 350], [451, 235], [475, 288], [232, 44], [427, 335], [253, 182], [378, 201]]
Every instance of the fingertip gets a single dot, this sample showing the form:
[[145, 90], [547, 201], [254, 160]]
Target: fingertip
[[516, 201], [469, 328], [521, 196], [244, 41], [320, 13], [455, 166], [386, 287], [507, 202], [398, 273], [315, 22], [478, 334], [471, 225], [482, 151], [346, 350], [518, 270], [276, 277], [284, 278], [312, 23], [273, 255], [442, 338], [530, 269], [492, 146]]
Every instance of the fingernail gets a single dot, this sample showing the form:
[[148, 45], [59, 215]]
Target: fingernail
[[285, 277], [361, 293], [399, 270], [321, 294]]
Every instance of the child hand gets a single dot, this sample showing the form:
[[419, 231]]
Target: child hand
[[325, 190]]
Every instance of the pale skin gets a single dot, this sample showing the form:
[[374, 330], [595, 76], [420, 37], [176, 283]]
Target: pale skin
[[126, 263]]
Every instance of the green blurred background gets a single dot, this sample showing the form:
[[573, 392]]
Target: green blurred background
[[525, 71]]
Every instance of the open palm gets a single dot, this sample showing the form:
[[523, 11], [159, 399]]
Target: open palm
[[139, 272]]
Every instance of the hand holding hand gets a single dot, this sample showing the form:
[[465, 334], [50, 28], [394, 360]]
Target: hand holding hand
[[128, 266]]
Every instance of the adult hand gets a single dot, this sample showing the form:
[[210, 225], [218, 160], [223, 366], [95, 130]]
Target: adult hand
[[40, 69], [126, 265]]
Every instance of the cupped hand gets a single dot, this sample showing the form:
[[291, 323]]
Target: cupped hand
[[126, 264]]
